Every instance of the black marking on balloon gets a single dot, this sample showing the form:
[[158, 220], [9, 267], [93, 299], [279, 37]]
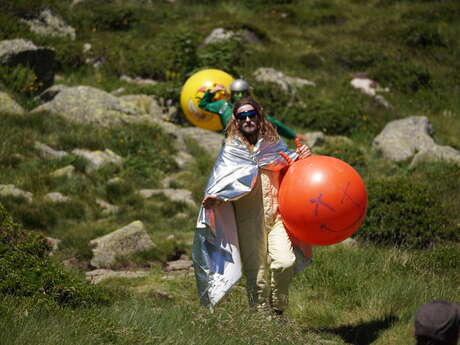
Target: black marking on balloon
[[324, 227], [346, 195], [319, 202]]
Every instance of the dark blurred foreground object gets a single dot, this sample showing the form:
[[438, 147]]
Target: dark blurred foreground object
[[437, 323]]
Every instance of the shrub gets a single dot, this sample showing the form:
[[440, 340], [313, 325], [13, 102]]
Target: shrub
[[402, 212], [97, 17], [20, 79], [26, 269], [345, 151], [223, 55]]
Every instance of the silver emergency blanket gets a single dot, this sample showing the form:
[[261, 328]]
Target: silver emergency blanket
[[215, 251]]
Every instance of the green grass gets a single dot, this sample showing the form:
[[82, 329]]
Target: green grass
[[347, 296]]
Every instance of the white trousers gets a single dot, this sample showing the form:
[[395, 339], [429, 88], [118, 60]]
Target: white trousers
[[266, 253]]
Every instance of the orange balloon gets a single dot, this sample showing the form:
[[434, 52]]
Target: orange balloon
[[322, 200]]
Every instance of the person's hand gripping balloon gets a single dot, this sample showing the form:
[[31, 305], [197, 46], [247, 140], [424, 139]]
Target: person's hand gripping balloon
[[303, 151]]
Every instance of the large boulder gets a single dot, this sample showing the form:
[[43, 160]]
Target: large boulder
[[411, 138], [131, 239], [21, 52], [86, 104], [402, 139], [210, 141]]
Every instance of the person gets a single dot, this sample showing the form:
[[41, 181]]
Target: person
[[239, 228], [437, 323], [239, 88]]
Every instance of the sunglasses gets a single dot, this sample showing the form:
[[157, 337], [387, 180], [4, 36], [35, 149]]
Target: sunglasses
[[244, 115]]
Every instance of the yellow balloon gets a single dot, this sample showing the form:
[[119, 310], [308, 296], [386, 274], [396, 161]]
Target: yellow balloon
[[194, 89]]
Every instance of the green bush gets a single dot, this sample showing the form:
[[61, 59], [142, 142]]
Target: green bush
[[97, 17], [20, 79], [403, 212], [346, 151], [26, 8], [26, 269], [11, 27], [225, 55]]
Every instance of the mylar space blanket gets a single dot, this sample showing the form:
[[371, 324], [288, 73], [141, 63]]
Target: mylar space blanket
[[215, 252]]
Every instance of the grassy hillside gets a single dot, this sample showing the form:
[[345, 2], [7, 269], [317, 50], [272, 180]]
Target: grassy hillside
[[409, 243]]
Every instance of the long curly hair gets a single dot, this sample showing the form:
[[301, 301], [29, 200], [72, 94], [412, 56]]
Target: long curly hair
[[266, 130]]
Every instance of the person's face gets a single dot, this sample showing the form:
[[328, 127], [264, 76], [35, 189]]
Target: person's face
[[237, 95], [247, 120]]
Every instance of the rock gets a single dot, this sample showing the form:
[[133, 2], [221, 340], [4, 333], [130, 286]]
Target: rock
[[56, 197], [138, 81], [48, 24], [97, 159], [182, 158], [181, 195], [47, 152], [287, 84], [315, 138], [142, 104], [54, 243], [88, 105], [22, 52], [220, 35], [96, 276], [9, 106], [178, 265], [123, 242], [67, 171], [401, 139], [107, 208], [435, 154], [370, 88], [210, 141], [11, 190], [52, 92], [115, 181]]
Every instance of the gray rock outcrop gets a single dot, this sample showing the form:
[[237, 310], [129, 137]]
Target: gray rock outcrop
[[97, 159], [47, 152], [10, 190], [412, 138], [180, 195], [286, 83], [131, 239], [22, 52], [96, 276], [67, 171], [49, 24], [56, 197], [220, 35], [89, 105], [402, 139]]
